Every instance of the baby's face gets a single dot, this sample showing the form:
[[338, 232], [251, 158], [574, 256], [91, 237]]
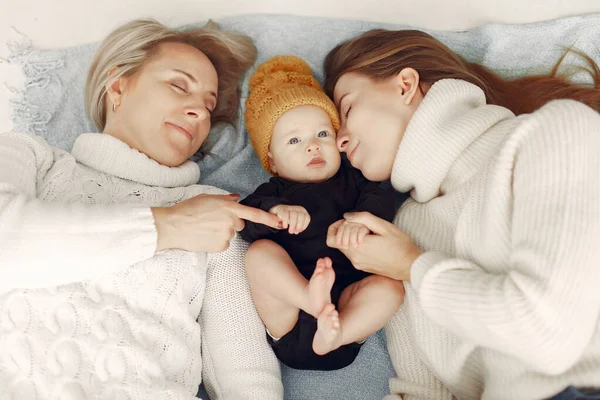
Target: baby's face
[[303, 146]]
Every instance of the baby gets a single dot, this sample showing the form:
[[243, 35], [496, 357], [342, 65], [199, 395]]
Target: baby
[[317, 308]]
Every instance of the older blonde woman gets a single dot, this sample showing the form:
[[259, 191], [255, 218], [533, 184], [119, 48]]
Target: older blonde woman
[[108, 268]]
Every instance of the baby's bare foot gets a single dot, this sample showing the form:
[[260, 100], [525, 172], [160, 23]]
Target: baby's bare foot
[[318, 290], [329, 332]]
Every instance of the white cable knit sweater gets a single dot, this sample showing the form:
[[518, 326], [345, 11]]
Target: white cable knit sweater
[[505, 301], [88, 311]]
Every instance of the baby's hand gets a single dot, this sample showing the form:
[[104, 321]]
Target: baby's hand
[[295, 218], [351, 233]]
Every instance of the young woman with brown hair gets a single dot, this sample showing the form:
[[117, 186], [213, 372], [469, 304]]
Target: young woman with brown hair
[[498, 244]]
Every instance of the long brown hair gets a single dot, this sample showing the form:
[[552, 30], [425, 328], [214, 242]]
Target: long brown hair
[[380, 54]]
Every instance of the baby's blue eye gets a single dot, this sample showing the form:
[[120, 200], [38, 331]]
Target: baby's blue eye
[[323, 134], [293, 141]]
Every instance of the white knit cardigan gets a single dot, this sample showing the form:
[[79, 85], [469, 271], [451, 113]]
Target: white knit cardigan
[[505, 301], [88, 310]]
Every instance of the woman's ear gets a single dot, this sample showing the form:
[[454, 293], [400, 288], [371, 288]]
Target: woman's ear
[[115, 88], [407, 82]]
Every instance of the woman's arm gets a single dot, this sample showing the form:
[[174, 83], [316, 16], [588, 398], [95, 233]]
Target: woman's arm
[[45, 244], [238, 363]]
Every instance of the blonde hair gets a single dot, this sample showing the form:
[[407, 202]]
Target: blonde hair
[[133, 44]]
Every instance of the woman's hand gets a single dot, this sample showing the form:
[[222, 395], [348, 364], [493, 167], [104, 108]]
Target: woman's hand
[[206, 222], [387, 251]]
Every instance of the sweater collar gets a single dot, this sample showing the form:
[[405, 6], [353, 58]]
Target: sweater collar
[[110, 155], [452, 116]]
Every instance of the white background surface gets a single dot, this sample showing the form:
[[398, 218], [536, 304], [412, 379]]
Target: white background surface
[[60, 23]]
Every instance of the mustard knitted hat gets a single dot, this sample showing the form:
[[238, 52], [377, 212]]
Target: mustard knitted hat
[[278, 85]]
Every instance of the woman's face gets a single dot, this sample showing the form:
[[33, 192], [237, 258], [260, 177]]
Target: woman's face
[[374, 116], [164, 109]]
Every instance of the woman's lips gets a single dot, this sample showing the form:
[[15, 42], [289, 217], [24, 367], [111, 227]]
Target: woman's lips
[[182, 130]]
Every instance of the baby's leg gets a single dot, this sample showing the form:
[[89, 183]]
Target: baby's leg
[[279, 290], [364, 308]]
